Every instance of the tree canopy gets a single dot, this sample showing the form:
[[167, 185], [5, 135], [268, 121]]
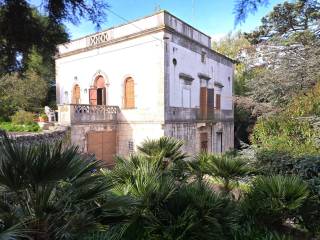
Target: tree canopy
[[244, 7], [24, 27], [298, 21]]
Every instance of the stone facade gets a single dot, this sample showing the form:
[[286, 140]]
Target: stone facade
[[181, 87]]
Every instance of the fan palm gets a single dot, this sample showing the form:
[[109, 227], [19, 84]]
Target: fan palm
[[168, 152], [274, 199], [167, 209], [52, 190], [229, 170]]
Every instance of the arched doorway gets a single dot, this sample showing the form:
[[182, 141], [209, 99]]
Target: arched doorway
[[97, 93], [76, 94]]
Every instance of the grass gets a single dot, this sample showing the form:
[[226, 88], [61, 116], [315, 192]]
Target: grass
[[12, 127]]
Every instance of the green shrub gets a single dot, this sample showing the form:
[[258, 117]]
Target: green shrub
[[11, 127], [23, 117], [282, 133], [254, 232], [274, 199], [280, 162], [310, 213]]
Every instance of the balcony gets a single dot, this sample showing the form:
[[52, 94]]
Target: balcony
[[84, 113], [179, 114]]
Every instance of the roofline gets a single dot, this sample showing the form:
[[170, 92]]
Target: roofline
[[139, 34], [132, 21]]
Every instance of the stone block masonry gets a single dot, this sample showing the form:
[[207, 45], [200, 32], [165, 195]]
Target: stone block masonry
[[46, 136]]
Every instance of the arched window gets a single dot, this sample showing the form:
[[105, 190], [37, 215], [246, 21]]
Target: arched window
[[129, 93], [76, 94]]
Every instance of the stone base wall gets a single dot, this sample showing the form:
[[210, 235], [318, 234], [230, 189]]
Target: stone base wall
[[190, 134], [187, 132], [227, 131], [46, 136], [220, 136], [131, 135]]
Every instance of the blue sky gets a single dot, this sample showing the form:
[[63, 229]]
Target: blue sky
[[213, 17]]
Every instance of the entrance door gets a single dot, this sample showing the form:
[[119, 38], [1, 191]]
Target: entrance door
[[103, 145]]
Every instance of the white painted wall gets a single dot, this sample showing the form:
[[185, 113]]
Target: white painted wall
[[189, 62], [140, 58]]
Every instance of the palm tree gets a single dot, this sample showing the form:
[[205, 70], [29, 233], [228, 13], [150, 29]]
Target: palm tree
[[52, 192], [274, 199], [229, 170], [166, 208], [168, 152]]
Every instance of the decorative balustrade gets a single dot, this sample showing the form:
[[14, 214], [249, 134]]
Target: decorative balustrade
[[83, 113]]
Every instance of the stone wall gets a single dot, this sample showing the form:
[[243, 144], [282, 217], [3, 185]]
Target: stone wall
[[190, 133], [46, 136]]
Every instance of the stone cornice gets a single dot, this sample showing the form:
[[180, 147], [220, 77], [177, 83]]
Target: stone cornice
[[204, 76], [113, 41], [137, 35]]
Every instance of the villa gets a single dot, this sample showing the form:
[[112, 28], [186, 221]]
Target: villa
[[152, 77]]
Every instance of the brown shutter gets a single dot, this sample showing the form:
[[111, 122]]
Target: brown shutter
[[129, 94], [93, 96], [76, 94], [218, 101], [210, 98], [203, 102]]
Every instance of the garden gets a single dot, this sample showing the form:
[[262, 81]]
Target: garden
[[54, 192]]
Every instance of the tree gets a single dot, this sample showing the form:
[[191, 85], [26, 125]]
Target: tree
[[290, 70], [231, 45], [23, 28], [291, 21], [243, 7], [27, 92]]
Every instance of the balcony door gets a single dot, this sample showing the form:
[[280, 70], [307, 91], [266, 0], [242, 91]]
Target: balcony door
[[98, 92], [76, 94]]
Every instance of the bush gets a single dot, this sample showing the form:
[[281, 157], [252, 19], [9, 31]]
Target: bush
[[275, 199], [23, 117], [11, 127], [253, 232], [283, 133], [310, 213]]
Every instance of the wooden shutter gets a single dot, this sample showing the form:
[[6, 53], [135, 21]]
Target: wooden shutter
[[129, 93], [210, 98], [93, 96], [203, 102], [76, 94], [218, 101]]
